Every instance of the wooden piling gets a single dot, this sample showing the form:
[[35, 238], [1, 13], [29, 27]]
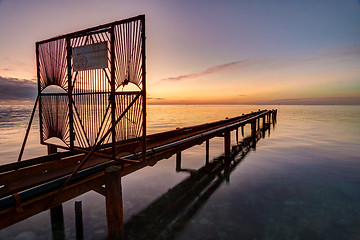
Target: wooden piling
[[56, 213], [57, 222], [263, 122], [227, 144], [178, 161], [114, 203], [207, 152], [242, 130], [79, 221], [237, 135], [253, 127]]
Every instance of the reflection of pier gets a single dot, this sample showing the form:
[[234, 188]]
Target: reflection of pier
[[32, 186], [173, 210]]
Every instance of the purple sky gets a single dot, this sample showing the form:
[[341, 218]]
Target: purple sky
[[295, 52]]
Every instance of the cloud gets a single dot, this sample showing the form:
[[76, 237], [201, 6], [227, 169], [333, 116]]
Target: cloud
[[211, 70], [17, 89], [339, 54], [241, 95], [153, 98]]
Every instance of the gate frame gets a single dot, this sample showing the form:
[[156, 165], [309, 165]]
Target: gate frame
[[105, 27]]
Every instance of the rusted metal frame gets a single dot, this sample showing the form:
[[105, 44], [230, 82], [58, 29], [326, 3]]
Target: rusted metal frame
[[92, 29], [28, 129], [143, 37]]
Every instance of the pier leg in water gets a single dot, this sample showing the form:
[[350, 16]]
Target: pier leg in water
[[227, 145], [178, 161], [114, 203], [263, 127], [207, 152], [242, 130], [79, 221], [237, 135], [56, 213], [253, 127]]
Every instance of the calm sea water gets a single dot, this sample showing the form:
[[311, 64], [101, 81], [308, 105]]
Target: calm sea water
[[301, 182]]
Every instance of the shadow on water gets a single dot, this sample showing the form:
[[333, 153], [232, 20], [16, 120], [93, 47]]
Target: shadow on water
[[169, 214]]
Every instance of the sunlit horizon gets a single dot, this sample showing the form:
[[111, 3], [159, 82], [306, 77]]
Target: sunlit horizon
[[226, 53]]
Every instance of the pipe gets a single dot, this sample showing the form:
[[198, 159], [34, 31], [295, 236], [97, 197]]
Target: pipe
[[37, 191]]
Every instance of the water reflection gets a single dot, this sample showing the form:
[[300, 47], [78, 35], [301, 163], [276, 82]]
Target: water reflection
[[170, 213]]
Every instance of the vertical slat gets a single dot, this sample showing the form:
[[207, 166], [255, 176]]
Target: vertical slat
[[143, 86], [39, 93], [70, 87], [112, 95]]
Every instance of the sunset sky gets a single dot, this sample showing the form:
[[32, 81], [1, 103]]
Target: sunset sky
[[205, 51]]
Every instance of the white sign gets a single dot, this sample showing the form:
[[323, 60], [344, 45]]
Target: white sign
[[93, 56]]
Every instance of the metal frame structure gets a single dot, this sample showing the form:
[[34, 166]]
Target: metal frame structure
[[90, 109]]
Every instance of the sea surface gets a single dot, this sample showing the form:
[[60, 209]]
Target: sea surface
[[302, 181]]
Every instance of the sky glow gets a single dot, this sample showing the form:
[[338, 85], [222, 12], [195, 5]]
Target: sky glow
[[206, 52]]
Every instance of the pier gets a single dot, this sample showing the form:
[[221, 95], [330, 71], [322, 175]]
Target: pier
[[32, 186]]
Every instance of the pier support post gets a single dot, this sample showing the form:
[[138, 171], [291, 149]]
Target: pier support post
[[207, 152], [227, 144], [79, 221], [57, 222], [253, 127], [237, 135], [56, 213], [242, 130], [178, 161], [264, 122], [114, 203], [263, 127], [273, 117]]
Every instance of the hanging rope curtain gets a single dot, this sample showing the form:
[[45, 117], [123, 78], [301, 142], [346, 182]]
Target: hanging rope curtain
[[55, 117], [128, 55], [52, 64]]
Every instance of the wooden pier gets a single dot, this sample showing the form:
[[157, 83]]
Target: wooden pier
[[35, 185]]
